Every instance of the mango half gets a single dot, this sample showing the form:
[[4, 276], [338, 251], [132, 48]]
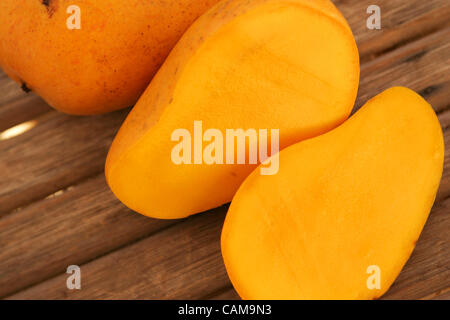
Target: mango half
[[345, 209], [288, 65]]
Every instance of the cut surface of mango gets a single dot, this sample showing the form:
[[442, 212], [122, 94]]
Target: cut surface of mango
[[290, 65], [344, 212]]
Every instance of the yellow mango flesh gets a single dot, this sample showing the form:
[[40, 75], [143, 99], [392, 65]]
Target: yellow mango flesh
[[290, 65], [355, 197], [104, 66]]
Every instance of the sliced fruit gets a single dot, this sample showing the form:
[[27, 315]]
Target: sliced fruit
[[290, 65], [345, 209]]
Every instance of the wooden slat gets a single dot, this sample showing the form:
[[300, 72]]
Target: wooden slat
[[443, 294], [9, 90], [181, 261], [227, 294], [59, 151], [423, 66], [20, 110], [71, 227], [444, 189], [401, 22]]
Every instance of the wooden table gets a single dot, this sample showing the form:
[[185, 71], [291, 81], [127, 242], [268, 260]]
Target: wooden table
[[56, 209]]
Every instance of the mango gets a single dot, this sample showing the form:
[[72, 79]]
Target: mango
[[344, 212], [103, 66], [286, 65]]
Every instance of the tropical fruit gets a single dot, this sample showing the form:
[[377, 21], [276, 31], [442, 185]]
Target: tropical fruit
[[287, 65], [90, 56], [344, 212]]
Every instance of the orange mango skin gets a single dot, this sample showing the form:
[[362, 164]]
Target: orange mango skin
[[356, 196], [104, 66], [220, 73]]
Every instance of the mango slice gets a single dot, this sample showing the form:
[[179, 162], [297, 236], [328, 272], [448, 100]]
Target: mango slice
[[290, 65], [345, 209], [103, 66]]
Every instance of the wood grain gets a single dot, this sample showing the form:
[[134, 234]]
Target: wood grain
[[423, 66], [71, 227], [58, 152], [443, 294], [180, 262], [25, 108], [227, 293], [9, 90], [401, 22]]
